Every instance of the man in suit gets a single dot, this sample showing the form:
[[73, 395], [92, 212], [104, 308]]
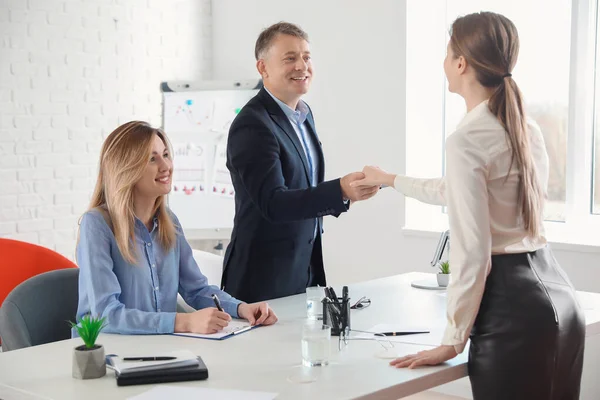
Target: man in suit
[[277, 167]]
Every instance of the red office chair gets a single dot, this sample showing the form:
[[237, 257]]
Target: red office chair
[[21, 261]]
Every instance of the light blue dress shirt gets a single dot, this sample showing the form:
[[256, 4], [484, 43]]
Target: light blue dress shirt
[[139, 298], [297, 118]]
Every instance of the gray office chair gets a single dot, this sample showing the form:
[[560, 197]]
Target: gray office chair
[[37, 310]]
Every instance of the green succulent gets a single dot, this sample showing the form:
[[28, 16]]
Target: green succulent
[[444, 267], [89, 328]]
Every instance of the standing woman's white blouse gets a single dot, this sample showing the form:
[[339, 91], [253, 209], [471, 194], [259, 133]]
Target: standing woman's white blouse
[[483, 213]]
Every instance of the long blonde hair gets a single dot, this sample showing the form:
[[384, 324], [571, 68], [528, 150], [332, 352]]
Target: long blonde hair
[[490, 44], [124, 156]]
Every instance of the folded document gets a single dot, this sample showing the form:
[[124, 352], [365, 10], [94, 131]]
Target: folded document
[[183, 358]]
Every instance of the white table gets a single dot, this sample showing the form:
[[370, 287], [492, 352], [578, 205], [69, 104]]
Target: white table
[[264, 358]]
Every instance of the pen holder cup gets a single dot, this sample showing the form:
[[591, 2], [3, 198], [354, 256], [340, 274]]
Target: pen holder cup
[[336, 314]]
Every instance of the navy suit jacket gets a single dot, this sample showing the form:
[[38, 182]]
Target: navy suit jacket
[[273, 251]]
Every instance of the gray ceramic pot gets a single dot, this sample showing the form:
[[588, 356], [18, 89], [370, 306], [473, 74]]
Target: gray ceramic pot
[[443, 279], [89, 363]]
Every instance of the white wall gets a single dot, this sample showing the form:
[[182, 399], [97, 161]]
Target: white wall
[[359, 56], [70, 73], [357, 97]]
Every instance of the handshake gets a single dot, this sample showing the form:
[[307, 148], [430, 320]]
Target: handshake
[[363, 185]]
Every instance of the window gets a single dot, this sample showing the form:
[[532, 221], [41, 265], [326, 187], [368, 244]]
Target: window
[[560, 47]]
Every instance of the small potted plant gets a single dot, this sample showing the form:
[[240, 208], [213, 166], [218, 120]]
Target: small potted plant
[[88, 359], [444, 275]]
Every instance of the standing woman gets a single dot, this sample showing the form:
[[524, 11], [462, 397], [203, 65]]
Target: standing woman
[[132, 254], [508, 292]]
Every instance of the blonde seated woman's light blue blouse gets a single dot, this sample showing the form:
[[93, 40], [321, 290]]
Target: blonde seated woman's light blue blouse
[[139, 298]]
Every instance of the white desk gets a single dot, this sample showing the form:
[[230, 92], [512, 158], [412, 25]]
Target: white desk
[[264, 358]]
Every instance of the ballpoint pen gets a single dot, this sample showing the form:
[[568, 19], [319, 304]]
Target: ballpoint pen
[[344, 309], [334, 296], [217, 302], [330, 305], [327, 293], [244, 329], [334, 300], [402, 333], [148, 358]]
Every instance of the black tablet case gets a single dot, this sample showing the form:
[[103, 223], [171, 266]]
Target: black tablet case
[[194, 373]]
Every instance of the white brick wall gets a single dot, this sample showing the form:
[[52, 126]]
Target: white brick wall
[[71, 71]]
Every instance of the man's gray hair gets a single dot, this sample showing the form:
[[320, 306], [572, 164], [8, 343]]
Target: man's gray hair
[[266, 37]]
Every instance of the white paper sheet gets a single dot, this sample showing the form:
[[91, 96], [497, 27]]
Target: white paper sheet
[[433, 338], [234, 327], [175, 392]]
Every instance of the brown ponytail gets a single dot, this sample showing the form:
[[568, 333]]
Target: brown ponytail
[[490, 44]]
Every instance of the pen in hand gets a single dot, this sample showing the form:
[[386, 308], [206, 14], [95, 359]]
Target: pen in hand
[[217, 302]]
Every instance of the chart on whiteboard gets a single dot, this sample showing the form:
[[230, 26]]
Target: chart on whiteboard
[[204, 112], [197, 124], [190, 176]]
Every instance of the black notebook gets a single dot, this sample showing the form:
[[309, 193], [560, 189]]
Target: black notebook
[[180, 374]]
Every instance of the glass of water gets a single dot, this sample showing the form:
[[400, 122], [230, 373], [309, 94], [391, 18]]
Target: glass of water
[[314, 307], [316, 344]]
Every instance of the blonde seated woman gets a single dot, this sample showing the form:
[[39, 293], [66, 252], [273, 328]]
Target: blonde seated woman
[[132, 253]]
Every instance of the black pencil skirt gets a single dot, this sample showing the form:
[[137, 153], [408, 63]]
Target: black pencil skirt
[[528, 338]]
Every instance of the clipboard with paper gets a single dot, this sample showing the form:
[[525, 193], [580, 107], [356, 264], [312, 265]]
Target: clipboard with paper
[[234, 328]]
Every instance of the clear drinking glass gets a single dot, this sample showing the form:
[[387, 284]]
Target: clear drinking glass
[[314, 307], [316, 344]]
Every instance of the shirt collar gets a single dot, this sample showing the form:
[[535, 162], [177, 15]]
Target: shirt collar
[[478, 110], [140, 224], [299, 114]]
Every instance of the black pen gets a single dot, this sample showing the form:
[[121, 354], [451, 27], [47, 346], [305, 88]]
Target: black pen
[[334, 300], [217, 302], [148, 358], [402, 333], [334, 296]]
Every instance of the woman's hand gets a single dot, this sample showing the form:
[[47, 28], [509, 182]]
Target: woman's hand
[[257, 313], [427, 357], [207, 320], [374, 176]]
